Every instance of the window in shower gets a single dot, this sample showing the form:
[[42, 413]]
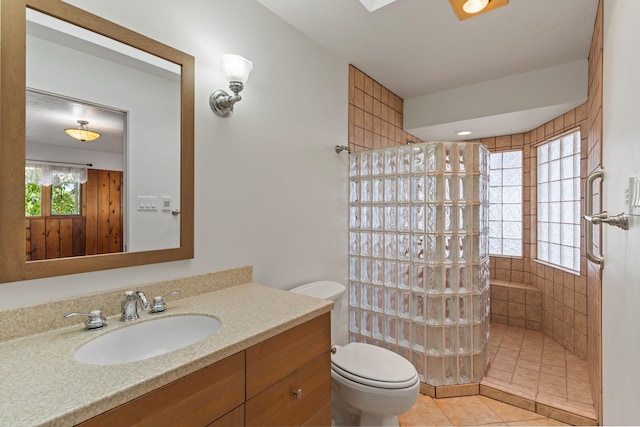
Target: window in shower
[[559, 202], [505, 209]]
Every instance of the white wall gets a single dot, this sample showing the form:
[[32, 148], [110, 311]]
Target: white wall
[[269, 189], [621, 158], [527, 100], [57, 153]]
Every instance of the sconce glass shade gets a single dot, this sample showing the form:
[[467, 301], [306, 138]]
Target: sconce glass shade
[[474, 6], [82, 133], [236, 68]]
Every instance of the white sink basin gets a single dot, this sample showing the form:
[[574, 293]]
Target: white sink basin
[[146, 339]]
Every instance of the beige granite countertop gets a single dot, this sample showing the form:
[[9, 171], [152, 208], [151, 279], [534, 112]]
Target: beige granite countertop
[[41, 383]]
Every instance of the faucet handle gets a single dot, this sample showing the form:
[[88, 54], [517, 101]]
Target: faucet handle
[[159, 305], [95, 321]]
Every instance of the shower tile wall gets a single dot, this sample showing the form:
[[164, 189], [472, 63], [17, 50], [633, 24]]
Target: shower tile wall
[[564, 294], [418, 256], [375, 114], [571, 303]]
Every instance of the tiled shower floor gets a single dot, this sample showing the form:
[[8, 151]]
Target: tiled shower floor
[[534, 367], [528, 370]]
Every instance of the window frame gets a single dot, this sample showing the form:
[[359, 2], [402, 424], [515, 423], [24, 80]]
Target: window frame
[[522, 186], [46, 198], [577, 237], [78, 198]]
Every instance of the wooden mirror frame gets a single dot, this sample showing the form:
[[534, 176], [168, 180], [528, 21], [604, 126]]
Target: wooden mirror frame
[[13, 264]]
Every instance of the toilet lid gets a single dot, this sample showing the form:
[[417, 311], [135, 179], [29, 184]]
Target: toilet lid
[[374, 366]]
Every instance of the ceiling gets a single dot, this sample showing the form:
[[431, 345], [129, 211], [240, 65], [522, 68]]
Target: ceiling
[[49, 115], [416, 48]]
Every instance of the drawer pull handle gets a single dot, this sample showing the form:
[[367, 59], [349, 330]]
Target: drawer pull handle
[[298, 393]]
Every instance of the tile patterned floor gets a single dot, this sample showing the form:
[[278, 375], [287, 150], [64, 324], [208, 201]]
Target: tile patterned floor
[[470, 411], [534, 367], [529, 371]]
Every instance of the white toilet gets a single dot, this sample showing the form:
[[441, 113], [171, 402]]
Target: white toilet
[[370, 385]]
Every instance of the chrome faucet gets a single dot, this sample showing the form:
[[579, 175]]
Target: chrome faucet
[[130, 305]]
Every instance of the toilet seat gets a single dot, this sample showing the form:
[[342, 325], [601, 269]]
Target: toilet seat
[[373, 366]]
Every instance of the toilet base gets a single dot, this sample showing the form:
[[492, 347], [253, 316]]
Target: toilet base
[[368, 406], [344, 415]]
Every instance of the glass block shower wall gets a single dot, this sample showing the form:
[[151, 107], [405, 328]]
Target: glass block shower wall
[[418, 256]]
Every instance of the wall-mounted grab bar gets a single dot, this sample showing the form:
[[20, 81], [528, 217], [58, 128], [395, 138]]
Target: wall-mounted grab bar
[[591, 219], [588, 217]]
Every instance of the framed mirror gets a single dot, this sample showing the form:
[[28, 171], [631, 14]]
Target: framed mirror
[[144, 190]]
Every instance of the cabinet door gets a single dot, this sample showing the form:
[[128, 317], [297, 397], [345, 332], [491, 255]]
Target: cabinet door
[[194, 400], [295, 398], [275, 358]]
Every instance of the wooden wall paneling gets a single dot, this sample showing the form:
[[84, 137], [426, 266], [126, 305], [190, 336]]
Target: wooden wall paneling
[[79, 236], [66, 237], [28, 238], [91, 212], [103, 212], [38, 250], [52, 237], [115, 211]]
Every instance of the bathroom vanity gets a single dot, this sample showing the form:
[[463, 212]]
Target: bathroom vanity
[[284, 380], [268, 364]]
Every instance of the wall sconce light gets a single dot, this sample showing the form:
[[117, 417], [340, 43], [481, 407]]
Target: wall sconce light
[[236, 69], [82, 133]]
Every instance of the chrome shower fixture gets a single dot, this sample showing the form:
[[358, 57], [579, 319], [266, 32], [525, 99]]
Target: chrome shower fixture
[[341, 148]]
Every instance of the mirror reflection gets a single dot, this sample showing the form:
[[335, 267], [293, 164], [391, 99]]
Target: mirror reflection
[[120, 191], [73, 183]]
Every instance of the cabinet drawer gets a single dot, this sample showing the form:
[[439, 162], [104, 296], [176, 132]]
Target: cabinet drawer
[[320, 418], [277, 357], [195, 400], [234, 418], [278, 405]]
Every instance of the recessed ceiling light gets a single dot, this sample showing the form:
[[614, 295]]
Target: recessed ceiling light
[[474, 6], [463, 133], [373, 5], [469, 8]]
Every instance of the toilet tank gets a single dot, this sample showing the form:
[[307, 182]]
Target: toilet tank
[[332, 291], [323, 289]]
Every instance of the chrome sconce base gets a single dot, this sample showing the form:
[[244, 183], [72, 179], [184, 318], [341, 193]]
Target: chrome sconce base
[[222, 103]]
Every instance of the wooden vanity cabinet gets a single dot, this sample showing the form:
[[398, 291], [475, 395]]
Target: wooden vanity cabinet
[[289, 377], [196, 400], [284, 380]]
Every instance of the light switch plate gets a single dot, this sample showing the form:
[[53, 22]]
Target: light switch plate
[[147, 203]]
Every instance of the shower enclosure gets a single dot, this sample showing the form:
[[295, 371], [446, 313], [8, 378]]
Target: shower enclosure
[[418, 256]]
